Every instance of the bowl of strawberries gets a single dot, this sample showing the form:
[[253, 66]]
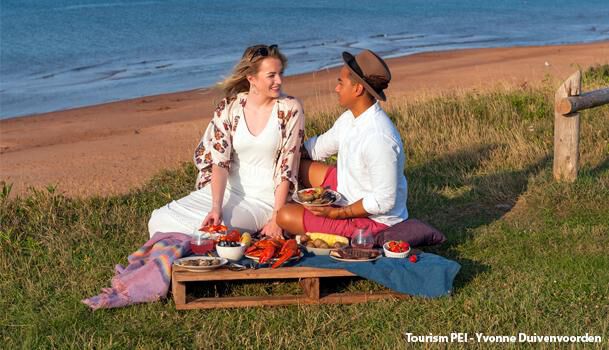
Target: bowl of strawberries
[[396, 249]]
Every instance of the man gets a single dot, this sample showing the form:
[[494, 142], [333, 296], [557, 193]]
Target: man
[[369, 173]]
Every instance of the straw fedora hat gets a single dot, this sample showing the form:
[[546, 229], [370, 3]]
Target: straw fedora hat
[[369, 70]]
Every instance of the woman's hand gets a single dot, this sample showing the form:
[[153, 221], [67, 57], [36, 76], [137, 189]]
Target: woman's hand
[[271, 229], [214, 217]]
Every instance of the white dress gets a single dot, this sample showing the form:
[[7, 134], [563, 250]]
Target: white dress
[[249, 196]]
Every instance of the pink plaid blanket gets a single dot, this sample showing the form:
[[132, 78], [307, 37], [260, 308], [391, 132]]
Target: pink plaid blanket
[[148, 275]]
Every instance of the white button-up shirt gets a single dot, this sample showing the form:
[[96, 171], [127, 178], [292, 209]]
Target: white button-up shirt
[[370, 164]]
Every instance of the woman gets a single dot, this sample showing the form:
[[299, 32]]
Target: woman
[[249, 156]]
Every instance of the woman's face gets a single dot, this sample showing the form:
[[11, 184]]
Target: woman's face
[[269, 78]]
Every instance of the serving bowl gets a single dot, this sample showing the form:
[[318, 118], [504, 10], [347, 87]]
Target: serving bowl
[[397, 255], [231, 253], [319, 251]]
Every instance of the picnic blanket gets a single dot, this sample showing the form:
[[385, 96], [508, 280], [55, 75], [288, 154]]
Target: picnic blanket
[[148, 275], [431, 276]]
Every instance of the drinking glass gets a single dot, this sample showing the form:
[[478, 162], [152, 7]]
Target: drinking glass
[[200, 244], [362, 238]]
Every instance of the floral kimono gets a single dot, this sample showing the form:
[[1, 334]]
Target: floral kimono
[[215, 146]]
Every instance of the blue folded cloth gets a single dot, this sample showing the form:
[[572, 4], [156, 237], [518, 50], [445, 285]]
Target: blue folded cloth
[[431, 276]]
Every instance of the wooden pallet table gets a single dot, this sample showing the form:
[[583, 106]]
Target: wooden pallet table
[[308, 277]]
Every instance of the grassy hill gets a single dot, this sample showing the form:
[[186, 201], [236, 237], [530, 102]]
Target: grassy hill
[[479, 165]]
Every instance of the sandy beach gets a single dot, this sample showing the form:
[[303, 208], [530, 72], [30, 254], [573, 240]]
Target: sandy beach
[[114, 147]]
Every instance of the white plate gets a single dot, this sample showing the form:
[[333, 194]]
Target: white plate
[[255, 258], [354, 260], [206, 235], [319, 251], [337, 198], [178, 262]]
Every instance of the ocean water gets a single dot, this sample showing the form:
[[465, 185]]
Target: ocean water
[[59, 54]]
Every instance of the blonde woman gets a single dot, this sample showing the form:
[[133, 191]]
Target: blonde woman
[[248, 157]]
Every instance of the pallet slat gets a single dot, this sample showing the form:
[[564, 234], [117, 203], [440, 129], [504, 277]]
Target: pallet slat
[[256, 301], [309, 280], [263, 273]]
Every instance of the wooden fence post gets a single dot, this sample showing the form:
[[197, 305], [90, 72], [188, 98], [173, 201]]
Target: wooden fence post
[[566, 132]]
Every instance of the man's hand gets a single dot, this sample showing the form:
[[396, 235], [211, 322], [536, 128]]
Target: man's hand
[[325, 211], [355, 210]]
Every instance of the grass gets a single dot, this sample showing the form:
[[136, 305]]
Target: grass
[[533, 251]]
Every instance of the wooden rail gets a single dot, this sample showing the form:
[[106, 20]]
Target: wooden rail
[[568, 100], [587, 100]]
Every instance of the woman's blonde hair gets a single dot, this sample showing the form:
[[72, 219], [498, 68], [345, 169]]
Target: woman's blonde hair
[[249, 65]]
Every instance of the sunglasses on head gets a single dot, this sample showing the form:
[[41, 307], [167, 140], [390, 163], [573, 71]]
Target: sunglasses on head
[[262, 51]]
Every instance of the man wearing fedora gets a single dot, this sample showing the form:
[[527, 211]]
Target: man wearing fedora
[[369, 173]]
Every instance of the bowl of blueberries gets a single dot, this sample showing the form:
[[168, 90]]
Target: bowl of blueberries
[[232, 251]]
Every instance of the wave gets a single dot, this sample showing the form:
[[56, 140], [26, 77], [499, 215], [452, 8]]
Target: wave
[[88, 67], [106, 4]]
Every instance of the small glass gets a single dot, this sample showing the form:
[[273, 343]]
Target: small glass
[[200, 245], [362, 238]]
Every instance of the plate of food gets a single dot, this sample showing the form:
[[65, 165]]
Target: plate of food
[[210, 232], [274, 251], [200, 263], [321, 243], [316, 197], [273, 260], [350, 254]]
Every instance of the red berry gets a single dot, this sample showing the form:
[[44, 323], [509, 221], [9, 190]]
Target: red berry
[[393, 246], [413, 258]]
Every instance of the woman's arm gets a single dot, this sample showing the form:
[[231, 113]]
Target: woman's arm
[[285, 175], [292, 134], [281, 195], [215, 146], [219, 178]]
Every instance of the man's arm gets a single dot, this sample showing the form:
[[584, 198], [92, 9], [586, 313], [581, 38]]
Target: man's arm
[[353, 210], [325, 145], [382, 161]]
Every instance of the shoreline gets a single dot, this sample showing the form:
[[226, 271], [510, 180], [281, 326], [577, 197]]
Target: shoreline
[[171, 88], [113, 147], [208, 89], [212, 87]]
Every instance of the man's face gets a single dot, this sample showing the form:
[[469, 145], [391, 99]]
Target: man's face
[[345, 89]]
